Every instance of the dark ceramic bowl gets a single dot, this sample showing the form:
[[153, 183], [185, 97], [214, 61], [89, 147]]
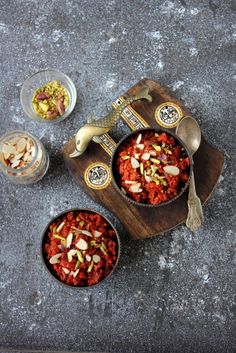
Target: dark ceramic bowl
[[46, 262], [114, 173]]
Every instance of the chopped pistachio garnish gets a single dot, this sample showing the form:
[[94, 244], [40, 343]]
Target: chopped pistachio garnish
[[80, 256], [154, 160], [81, 223], [90, 267], [125, 158]]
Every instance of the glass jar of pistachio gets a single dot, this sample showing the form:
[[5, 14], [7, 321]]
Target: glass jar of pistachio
[[23, 158]]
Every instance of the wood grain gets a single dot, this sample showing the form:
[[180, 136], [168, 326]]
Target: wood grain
[[139, 222]]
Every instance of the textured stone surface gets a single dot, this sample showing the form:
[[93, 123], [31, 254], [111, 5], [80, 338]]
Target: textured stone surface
[[174, 293]]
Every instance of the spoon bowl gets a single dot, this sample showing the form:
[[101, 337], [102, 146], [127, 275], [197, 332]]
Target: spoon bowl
[[190, 133]]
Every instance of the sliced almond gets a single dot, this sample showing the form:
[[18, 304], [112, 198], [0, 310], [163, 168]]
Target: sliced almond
[[130, 182], [96, 258], [6, 155], [55, 259], [21, 145], [59, 228], [66, 270], [70, 254], [26, 155], [15, 163], [140, 146], [97, 234], [146, 156], [153, 153], [29, 158], [19, 155], [8, 149], [139, 138], [134, 163], [88, 257], [32, 151], [69, 240], [136, 188], [86, 232], [76, 272], [171, 169], [147, 178], [82, 244]]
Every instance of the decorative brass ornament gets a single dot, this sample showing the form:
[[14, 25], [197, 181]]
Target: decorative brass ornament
[[97, 176], [95, 128], [168, 115]]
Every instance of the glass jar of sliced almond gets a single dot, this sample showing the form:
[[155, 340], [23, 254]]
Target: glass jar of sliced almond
[[23, 158]]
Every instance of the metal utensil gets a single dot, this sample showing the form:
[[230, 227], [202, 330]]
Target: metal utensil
[[190, 133]]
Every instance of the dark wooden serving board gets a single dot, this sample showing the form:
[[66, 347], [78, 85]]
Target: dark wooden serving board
[[142, 222]]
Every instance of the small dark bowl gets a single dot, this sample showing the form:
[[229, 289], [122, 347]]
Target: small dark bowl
[[46, 262], [114, 174]]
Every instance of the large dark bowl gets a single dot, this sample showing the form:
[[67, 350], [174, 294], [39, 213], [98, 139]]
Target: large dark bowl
[[114, 174], [46, 262]]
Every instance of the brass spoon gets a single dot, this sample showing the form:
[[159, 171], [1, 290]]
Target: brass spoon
[[189, 132]]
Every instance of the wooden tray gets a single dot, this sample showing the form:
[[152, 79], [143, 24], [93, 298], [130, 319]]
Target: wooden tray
[[141, 222]]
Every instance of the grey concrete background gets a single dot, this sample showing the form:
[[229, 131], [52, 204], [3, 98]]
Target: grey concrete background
[[174, 293]]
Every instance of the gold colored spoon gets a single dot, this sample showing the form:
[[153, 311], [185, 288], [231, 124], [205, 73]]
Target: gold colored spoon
[[190, 133]]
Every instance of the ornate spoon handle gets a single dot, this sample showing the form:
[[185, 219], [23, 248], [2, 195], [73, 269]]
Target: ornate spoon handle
[[195, 214]]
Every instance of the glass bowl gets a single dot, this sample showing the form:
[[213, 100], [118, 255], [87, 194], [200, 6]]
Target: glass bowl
[[39, 79], [33, 160]]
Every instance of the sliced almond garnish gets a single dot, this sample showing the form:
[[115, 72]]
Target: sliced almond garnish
[[82, 244], [55, 259], [66, 270], [97, 234], [88, 257], [15, 163], [147, 178], [86, 232], [8, 149], [136, 188], [6, 155], [69, 240], [76, 272], [130, 182], [21, 144], [70, 254], [153, 153], [139, 138], [96, 258], [146, 156], [134, 163], [171, 169], [19, 155], [140, 146], [59, 228]]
